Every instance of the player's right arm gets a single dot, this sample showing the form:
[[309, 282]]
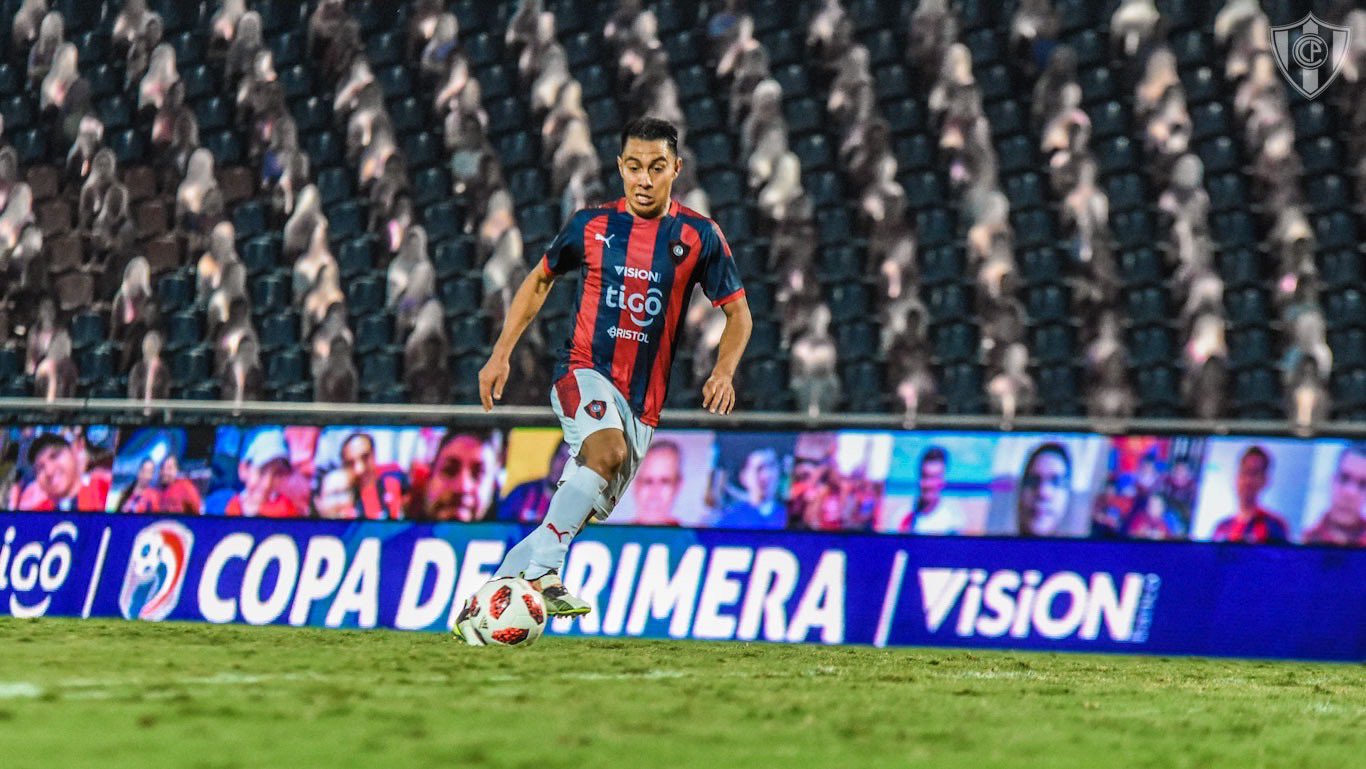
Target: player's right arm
[[525, 305]]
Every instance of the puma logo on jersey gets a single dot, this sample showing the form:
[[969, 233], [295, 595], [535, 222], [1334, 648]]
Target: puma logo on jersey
[[606, 240], [559, 535]]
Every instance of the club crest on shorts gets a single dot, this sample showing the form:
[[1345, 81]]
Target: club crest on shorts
[[1310, 53], [678, 251], [596, 409]]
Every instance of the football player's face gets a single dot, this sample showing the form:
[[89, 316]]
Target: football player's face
[[648, 169]]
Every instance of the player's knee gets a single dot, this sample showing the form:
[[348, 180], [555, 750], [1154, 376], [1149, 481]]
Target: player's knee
[[605, 456]]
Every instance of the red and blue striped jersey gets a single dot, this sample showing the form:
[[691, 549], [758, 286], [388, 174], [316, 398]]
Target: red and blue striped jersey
[[637, 279]]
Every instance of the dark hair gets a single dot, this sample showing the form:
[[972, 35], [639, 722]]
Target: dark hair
[[354, 436], [1260, 453], [1051, 447], [934, 454], [651, 129]]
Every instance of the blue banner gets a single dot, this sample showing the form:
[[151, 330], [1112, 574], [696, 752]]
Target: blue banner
[[1170, 598]]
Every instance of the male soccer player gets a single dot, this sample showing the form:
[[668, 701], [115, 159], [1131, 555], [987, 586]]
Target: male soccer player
[[639, 259]]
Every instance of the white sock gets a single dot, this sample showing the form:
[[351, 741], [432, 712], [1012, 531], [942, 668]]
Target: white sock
[[544, 548]]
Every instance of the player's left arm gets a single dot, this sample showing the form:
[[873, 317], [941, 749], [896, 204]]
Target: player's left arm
[[718, 394]]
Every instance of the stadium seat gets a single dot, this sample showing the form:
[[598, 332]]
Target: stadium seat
[[198, 81], [933, 227], [191, 365], [311, 114], [1047, 303], [87, 330], [1249, 347], [955, 342], [10, 80], [422, 150], [364, 295], [270, 292], [1157, 387], [905, 116], [408, 115], [460, 297], [374, 332], [891, 83], [443, 220], [280, 330], [453, 258], [225, 146], [1141, 266], [284, 367], [1256, 394], [1150, 346], [1341, 268], [814, 152], [354, 258]]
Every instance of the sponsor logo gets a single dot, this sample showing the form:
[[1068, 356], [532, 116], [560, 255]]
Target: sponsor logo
[[626, 333], [35, 567], [1022, 604], [648, 304], [596, 409], [638, 272], [606, 240], [156, 571], [560, 535], [1310, 53]]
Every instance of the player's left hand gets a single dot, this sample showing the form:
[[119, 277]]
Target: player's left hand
[[718, 394]]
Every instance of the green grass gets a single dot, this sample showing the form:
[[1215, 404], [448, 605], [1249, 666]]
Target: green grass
[[116, 694]]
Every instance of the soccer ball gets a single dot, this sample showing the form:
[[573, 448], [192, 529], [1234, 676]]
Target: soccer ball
[[507, 612]]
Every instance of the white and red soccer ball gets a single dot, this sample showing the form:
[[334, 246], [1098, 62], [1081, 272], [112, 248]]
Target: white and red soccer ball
[[507, 612]]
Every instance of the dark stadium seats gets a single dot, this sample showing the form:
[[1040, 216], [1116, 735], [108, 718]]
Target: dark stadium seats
[[941, 204]]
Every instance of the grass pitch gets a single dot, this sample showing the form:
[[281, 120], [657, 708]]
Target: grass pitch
[[124, 694]]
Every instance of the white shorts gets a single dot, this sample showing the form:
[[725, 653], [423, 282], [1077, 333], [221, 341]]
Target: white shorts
[[586, 402]]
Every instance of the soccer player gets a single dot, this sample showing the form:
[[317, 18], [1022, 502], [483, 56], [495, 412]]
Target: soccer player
[[639, 259]]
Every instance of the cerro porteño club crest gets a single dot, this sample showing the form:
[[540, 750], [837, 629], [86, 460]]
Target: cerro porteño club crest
[[1310, 53]]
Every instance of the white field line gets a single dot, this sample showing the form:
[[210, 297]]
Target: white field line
[[166, 687]]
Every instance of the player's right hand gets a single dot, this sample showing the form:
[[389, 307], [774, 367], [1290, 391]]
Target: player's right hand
[[492, 377]]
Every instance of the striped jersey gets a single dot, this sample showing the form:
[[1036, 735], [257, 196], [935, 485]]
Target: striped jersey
[[637, 280]]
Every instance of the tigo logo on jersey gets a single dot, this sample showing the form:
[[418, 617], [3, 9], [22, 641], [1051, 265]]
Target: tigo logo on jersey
[[156, 571], [649, 303], [596, 409]]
